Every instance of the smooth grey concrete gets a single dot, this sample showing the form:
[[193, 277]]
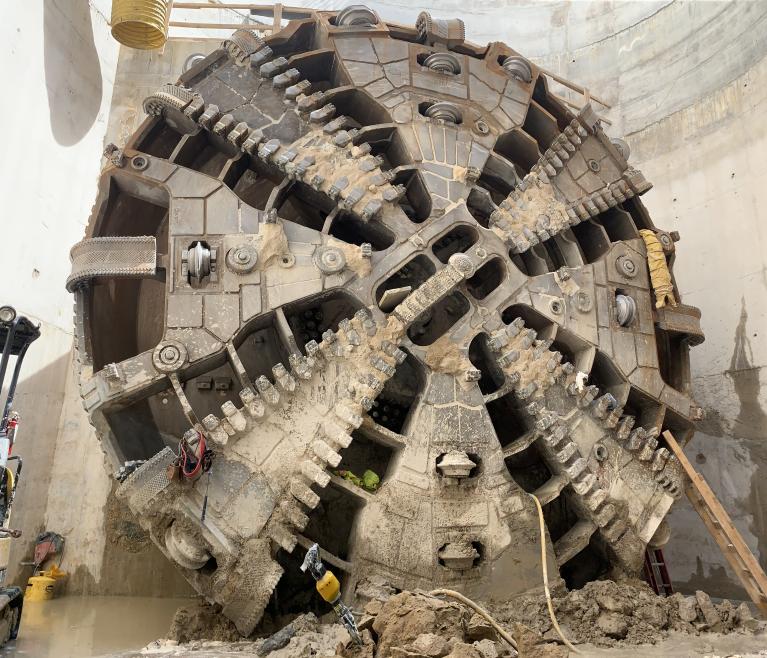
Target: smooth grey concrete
[[58, 69], [59, 61]]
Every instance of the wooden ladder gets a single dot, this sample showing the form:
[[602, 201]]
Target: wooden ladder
[[719, 524]]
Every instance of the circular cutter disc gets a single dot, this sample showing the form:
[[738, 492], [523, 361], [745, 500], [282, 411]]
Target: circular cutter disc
[[422, 276]]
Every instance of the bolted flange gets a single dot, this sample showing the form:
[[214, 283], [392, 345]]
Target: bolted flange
[[242, 259], [626, 266], [169, 356], [666, 241], [518, 68], [330, 260]]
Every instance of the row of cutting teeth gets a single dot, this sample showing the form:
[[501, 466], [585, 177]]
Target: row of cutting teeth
[[382, 357], [265, 396], [522, 230], [531, 368], [537, 368], [359, 185]]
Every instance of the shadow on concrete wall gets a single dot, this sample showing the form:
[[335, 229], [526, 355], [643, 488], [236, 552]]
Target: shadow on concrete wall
[[72, 70], [38, 400]]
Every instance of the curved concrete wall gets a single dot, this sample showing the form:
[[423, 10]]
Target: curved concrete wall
[[688, 85]]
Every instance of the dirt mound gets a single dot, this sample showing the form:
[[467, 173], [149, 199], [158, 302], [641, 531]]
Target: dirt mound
[[418, 625], [200, 621], [607, 613]]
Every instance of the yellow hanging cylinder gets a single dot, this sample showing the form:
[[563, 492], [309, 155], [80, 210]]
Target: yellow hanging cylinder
[[329, 587], [140, 24]]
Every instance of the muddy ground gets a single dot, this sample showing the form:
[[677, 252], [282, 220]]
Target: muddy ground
[[603, 618]]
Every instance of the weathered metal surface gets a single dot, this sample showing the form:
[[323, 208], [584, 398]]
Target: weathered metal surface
[[382, 248]]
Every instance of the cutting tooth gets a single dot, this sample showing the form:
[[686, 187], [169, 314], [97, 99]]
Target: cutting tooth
[[253, 403], [235, 416], [267, 390]]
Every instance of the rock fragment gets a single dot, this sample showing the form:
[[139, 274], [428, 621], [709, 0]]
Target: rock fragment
[[613, 625]]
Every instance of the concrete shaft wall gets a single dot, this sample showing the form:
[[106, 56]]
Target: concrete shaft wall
[[59, 63], [687, 83]]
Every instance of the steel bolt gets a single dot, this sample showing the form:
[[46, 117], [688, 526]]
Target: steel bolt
[[139, 162], [626, 266], [169, 354]]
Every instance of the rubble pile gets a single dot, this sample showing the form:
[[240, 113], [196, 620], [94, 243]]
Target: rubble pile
[[418, 625], [606, 613]]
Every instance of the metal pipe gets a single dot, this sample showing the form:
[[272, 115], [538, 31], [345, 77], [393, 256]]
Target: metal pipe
[[7, 349], [12, 386]]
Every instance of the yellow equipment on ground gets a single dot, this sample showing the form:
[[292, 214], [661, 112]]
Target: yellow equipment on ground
[[40, 588], [45, 585], [330, 590]]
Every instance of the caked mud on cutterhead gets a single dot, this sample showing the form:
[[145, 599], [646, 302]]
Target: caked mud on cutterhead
[[361, 247]]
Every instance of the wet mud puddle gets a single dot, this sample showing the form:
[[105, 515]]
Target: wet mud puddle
[[81, 627]]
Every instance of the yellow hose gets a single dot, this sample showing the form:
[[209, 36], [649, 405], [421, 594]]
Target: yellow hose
[[660, 277], [479, 610], [140, 24], [486, 615], [546, 576]]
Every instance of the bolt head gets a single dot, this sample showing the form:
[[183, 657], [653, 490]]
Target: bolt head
[[626, 266], [139, 162], [330, 260], [169, 354]]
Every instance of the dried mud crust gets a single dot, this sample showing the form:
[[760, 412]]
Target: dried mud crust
[[390, 281], [606, 613]]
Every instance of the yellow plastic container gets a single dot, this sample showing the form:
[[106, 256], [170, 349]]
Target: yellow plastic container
[[40, 588]]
